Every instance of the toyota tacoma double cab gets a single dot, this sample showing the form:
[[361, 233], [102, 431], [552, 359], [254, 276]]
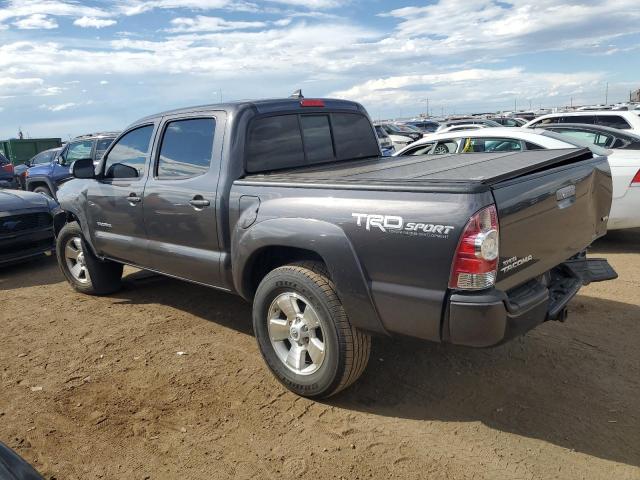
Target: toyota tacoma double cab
[[289, 204]]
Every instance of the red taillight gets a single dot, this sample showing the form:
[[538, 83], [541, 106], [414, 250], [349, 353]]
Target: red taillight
[[636, 179], [311, 103], [476, 260]]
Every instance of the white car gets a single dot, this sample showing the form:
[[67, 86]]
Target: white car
[[461, 126], [624, 161], [629, 120]]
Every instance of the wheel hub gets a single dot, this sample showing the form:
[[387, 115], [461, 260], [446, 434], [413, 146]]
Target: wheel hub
[[296, 333]]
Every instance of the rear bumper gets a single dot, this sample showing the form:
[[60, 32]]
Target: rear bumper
[[489, 318], [624, 210]]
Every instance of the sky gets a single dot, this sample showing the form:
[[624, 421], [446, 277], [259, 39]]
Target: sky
[[69, 67]]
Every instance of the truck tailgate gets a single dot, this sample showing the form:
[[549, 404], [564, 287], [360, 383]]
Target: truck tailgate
[[549, 215]]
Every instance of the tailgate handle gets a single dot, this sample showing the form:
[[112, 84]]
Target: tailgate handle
[[566, 196]]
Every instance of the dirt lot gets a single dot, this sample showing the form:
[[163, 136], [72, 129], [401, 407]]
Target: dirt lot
[[94, 388]]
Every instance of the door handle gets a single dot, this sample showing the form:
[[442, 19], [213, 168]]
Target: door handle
[[133, 199], [199, 202]]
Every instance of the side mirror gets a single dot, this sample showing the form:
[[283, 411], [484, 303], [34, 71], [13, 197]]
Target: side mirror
[[27, 163], [83, 168]]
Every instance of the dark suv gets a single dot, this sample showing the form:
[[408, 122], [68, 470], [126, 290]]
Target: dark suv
[[46, 178]]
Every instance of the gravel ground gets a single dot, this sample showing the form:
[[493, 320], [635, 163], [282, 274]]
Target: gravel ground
[[94, 388]]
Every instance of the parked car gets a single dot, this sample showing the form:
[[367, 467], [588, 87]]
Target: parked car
[[386, 144], [509, 121], [445, 126], [42, 158], [398, 141], [461, 126], [289, 204], [625, 165], [7, 176], [401, 130], [47, 178], [624, 161], [26, 225], [606, 118], [426, 126]]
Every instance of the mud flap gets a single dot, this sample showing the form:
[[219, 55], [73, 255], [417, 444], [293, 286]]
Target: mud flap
[[591, 269]]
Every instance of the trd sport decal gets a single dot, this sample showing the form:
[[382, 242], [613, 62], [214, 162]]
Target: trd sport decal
[[396, 224]]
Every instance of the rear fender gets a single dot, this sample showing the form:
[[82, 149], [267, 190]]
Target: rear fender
[[326, 240]]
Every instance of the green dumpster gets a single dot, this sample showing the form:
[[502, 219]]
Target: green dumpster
[[19, 151]]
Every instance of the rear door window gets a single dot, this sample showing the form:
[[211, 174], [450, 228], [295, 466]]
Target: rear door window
[[475, 145], [444, 147], [613, 121], [420, 149], [187, 147]]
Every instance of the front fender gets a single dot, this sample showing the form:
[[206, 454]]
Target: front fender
[[325, 239], [73, 201]]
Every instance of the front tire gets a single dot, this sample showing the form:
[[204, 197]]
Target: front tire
[[304, 334], [44, 191], [82, 269]]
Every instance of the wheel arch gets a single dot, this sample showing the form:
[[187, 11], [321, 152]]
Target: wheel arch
[[273, 243]]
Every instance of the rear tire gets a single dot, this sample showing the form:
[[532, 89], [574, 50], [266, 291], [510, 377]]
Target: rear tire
[[304, 334], [44, 191], [82, 269]]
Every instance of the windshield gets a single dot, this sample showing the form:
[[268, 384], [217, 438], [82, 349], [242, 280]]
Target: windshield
[[578, 143]]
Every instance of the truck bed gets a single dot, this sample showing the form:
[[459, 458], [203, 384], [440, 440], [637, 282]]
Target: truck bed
[[453, 172]]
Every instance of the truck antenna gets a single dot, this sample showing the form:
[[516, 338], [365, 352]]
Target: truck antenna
[[297, 94]]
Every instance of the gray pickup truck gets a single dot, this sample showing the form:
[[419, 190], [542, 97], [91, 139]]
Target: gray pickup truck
[[289, 204]]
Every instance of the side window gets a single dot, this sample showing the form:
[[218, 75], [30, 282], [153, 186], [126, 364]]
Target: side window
[[473, 145], [3, 159], [353, 136], [586, 119], [317, 138], [444, 147], [585, 135], [186, 148], [613, 121], [78, 151], [546, 121], [128, 157], [532, 146], [419, 150], [274, 143], [101, 147]]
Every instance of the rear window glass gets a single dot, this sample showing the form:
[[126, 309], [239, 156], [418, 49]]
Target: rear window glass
[[276, 142], [613, 121], [317, 138], [353, 136]]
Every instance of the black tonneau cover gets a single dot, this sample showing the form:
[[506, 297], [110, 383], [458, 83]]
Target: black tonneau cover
[[467, 171]]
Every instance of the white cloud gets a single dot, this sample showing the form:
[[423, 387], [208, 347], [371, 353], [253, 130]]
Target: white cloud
[[59, 107], [136, 7], [466, 88], [210, 24], [104, 82], [92, 22], [10, 87], [26, 8], [36, 21], [48, 91]]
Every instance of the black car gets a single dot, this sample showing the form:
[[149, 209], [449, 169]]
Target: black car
[[427, 126], [41, 158], [26, 225], [605, 137]]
